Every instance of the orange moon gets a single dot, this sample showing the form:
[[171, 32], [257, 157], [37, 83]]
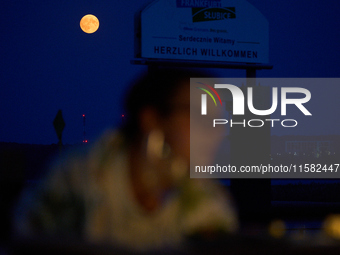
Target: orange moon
[[89, 23]]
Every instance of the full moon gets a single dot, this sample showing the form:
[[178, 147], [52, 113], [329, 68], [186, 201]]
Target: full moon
[[89, 23]]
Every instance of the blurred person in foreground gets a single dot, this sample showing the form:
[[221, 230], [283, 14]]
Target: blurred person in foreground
[[132, 187]]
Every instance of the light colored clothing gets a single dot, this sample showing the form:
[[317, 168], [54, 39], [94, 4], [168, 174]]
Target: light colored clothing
[[91, 197]]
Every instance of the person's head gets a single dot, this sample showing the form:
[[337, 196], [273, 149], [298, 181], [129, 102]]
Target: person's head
[[160, 100]]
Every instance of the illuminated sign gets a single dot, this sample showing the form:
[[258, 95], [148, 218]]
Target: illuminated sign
[[204, 30]]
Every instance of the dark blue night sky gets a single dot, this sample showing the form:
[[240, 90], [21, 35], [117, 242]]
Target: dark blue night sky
[[48, 63]]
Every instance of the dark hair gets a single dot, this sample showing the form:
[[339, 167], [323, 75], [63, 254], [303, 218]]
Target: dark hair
[[154, 89]]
